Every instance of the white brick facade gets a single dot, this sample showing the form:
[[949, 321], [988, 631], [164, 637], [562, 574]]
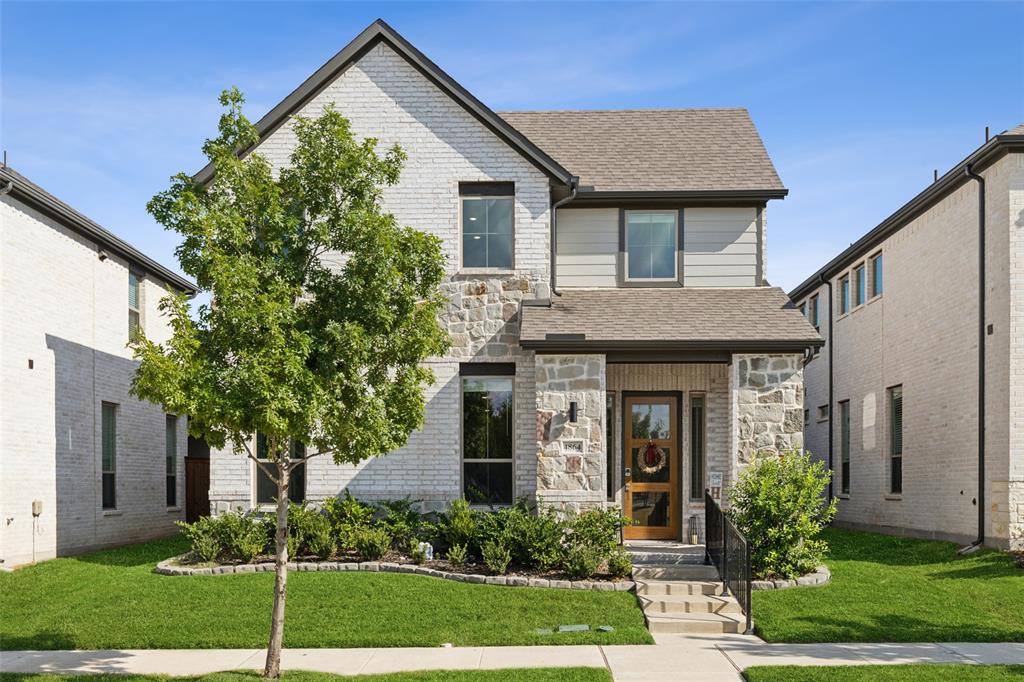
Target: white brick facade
[[922, 334], [64, 329]]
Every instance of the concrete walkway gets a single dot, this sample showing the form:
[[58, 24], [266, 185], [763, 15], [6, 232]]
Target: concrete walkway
[[679, 658]]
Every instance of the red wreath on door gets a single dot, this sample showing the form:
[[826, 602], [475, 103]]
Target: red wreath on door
[[652, 458]]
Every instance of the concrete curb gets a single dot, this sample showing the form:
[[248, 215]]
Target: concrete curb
[[820, 576], [170, 567]]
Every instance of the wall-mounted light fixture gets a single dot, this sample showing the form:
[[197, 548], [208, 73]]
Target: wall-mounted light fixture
[[572, 412]]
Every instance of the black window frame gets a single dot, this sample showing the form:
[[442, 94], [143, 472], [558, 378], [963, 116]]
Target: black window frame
[[609, 431], [483, 191], [845, 456], [477, 371], [698, 446], [108, 464], [895, 439], [171, 459]]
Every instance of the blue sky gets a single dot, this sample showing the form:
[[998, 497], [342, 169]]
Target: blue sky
[[856, 102]]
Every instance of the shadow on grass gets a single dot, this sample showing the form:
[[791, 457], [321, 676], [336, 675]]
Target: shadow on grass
[[892, 627], [147, 553]]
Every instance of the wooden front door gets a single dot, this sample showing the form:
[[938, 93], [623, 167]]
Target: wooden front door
[[650, 427], [197, 488]]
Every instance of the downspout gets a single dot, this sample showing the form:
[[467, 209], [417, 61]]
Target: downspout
[[574, 183], [831, 343], [981, 358]]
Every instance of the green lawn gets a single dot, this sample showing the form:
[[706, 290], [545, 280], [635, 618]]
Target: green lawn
[[887, 589], [886, 673], [511, 675], [113, 600]]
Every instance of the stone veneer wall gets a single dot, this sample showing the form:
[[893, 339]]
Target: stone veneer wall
[[768, 404], [570, 456]]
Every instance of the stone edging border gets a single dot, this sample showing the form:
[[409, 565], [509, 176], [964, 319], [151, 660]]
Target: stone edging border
[[820, 576], [167, 567]]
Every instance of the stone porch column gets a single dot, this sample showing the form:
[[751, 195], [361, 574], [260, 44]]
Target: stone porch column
[[570, 456]]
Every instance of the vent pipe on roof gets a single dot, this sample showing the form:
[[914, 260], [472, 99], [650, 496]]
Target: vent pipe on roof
[[574, 184]]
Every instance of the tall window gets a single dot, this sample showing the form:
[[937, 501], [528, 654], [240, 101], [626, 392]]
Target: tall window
[[487, 224], [134, 314], [697, 447], [171, 457], [609, 438], [844, 445], [108, 436], [896, 439], [812, 311], [487, 415], [844, 294], [651, 244], [860, 278], [266, 488], [876, 275]]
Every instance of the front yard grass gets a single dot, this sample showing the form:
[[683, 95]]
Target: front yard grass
[[886, 673], [510, 675], [113, 600], [888, 589]]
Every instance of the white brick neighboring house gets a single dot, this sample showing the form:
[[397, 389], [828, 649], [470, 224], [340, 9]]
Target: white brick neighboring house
[[64, 304], [545, 360], [905, 360]]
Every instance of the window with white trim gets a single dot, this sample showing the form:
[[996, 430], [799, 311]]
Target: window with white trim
[[844, 294], [652, 242], [860, 280]]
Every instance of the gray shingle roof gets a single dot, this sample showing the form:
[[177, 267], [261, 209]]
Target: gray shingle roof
[[653, 149], [1019, 130], [677, 316]]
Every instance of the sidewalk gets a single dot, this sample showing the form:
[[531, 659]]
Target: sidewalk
[[678, 658]]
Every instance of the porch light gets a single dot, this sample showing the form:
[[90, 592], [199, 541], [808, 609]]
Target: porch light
[[572, 412]]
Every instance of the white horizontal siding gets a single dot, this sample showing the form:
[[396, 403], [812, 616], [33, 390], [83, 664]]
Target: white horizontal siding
[[588, 245], [720, 247]]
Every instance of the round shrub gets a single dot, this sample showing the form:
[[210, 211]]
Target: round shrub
[[620, 564], [778, 504], [458, 555], [581, 560], [347, 516], [496, 557]]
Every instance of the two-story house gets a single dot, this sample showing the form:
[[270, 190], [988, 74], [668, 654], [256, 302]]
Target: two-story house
[[83, 464], [614, 339], [917, 399]]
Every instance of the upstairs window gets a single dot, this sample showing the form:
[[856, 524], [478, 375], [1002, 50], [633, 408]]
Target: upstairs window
[[844, 295], [134, 311], [487, 224], [876, 275], [860, 279], [487, 440], [651, 246], [812, 311]]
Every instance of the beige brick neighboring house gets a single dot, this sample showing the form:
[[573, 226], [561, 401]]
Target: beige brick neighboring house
[[600, 263], [65, 308], [905, 360]]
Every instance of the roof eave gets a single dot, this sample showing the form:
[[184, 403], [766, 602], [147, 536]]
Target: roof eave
[[732, 345], [722, 196], [380, 31], [982, 157]]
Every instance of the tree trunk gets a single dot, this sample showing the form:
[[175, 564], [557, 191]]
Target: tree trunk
[[273, 666]]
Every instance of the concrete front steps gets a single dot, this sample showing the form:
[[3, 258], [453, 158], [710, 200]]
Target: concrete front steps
[[679, 594]]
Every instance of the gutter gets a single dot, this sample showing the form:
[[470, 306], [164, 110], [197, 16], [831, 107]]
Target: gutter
[[969, 173], [574, 185]]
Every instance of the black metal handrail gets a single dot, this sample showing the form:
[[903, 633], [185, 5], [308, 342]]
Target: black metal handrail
[[728, 550]]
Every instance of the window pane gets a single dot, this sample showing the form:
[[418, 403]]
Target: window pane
[[109, 491], [266, 489], [499, 251], [297, 484], [487, 418], [844, 444], [474, 251], [133, 290], [488, 482], [109, 436], [651, 244], [609, 439], [172, 491], [651, 421], [897, 475], [697, 447], [876, 276], [859, 272], [499, 216], [474, 216], [171, 459], [663, 262], [814, 311], [844, 294], [639, 262], [650, 508]]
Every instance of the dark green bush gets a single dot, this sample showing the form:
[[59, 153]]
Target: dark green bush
[[347, 517], [241, 536], [203, 537], [600, 528], [778, 504], [458, 555], [372, 543], [403, 521], [459, 526], [620, 564], [496, 557], [581, 560]]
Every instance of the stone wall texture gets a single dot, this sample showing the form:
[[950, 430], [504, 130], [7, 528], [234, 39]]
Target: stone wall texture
[[66, 311], [922, 334], [768, 393]]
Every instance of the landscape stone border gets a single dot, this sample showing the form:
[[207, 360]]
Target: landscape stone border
[[171, 567], [820, 576]]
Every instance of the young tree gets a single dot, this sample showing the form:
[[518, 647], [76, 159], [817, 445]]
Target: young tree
[[322, 308]]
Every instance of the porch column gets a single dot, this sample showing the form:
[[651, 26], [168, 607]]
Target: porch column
[[766, 406], [570, 455]]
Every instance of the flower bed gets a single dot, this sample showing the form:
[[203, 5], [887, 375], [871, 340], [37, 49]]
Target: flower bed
[[182, 566]]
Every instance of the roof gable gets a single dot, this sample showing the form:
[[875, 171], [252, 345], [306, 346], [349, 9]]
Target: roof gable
[[377, 32]]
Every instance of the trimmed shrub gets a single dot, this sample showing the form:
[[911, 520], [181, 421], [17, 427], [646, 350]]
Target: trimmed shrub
[[242, 536], [600, 528], [778, 504], [582, 560], [309, 532], [458, 555], [496, 557], [202, 536], [372, 543], [404, 523], [459, 525], [347, 517], [620, 564], [416, 554]]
